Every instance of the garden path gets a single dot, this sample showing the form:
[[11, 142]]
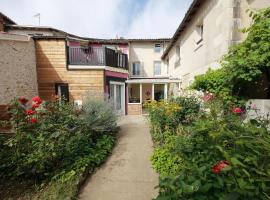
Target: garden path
[[127, 174]]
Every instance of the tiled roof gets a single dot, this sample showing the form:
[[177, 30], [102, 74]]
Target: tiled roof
[[10, 21]]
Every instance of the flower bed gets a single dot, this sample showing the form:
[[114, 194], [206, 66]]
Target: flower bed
[[54, 144], [217, 155]]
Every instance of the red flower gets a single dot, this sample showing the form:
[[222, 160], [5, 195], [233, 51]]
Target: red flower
[[35, 105], [37, 100], [33, 120], [215, 170], [23, 100], [218, 167], [237, 110], [30, 112]]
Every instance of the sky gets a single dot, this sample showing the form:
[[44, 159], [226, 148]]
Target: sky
[[101, 18]]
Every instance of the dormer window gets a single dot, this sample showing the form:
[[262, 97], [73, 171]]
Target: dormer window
[[157, 48]]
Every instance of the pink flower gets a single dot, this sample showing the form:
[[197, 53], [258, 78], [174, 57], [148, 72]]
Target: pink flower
[[254, 107], [37, 100], [237, 110], [208, 97]]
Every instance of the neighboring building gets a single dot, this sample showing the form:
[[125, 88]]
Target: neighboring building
[[76, 68], [18, 76], [207, 31], [80, 65], [149, 77]]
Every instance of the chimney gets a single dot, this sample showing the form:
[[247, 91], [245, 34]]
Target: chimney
[[2, 23]]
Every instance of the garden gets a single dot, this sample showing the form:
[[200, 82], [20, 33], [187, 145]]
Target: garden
[[206, 146], [53, 146]]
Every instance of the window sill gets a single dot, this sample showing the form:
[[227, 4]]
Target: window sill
[[198, 46]]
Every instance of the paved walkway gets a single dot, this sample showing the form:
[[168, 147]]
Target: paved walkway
[[127, 174]]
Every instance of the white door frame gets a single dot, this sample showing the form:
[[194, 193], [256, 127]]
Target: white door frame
[[123, 91]]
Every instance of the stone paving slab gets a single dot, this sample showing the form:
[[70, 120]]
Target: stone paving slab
[[127, 174]]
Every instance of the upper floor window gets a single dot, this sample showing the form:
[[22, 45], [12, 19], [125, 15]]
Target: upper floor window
[[199, 34], [136, 68], [157, 48], [178, 56], [157, 68]]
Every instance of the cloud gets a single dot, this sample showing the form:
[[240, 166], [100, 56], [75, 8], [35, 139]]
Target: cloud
[[101, 18], [160, 18]]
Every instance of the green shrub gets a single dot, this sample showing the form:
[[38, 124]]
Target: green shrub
[[165, 161], [100, 116], [52, 141], [189, 111], [166, 117], [223, 158]]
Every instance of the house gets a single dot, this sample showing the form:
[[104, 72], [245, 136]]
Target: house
[[128, 71], [149, 77], [75, 68], [205, 34], [17, 66]]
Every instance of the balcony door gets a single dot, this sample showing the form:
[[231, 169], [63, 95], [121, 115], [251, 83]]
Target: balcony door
[[117, 95]]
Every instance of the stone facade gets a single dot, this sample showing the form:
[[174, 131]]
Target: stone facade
[[221, 21], [17, 67]]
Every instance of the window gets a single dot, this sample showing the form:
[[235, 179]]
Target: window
[[134, 93], [136, 69], [199, 34], [157, 68], [178, 56], [157, 48], [61, 90]]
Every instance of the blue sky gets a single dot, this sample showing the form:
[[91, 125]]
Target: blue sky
[[101, 18]]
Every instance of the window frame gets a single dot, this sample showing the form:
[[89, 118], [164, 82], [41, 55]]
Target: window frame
[[178, 55], [155, 62], [140, 68], [58, 88], [199, 31], [157, 47]]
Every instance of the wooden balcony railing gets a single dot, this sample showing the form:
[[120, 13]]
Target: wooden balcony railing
[[98, 56]]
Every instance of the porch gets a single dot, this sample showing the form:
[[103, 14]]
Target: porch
[[142, 91]]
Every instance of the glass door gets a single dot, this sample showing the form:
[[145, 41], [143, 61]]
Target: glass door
[[117, 94]]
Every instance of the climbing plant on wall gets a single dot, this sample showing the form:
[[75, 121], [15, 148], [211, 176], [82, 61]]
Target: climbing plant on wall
[[244, 65]]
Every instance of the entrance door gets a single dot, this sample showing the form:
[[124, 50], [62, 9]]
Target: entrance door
[[117, 94]]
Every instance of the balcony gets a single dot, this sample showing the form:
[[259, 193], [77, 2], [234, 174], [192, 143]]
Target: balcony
[[97, 56]]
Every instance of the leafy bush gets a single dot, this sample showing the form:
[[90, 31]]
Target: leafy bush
[[99, 115], [221, 158], [189, 111], [165, 161], [52, 141], [165, 117]]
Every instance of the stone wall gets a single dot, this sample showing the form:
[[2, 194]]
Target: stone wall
[[221, 20], [17, 67]]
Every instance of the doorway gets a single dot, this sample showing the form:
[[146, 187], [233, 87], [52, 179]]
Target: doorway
[[117, 95]]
